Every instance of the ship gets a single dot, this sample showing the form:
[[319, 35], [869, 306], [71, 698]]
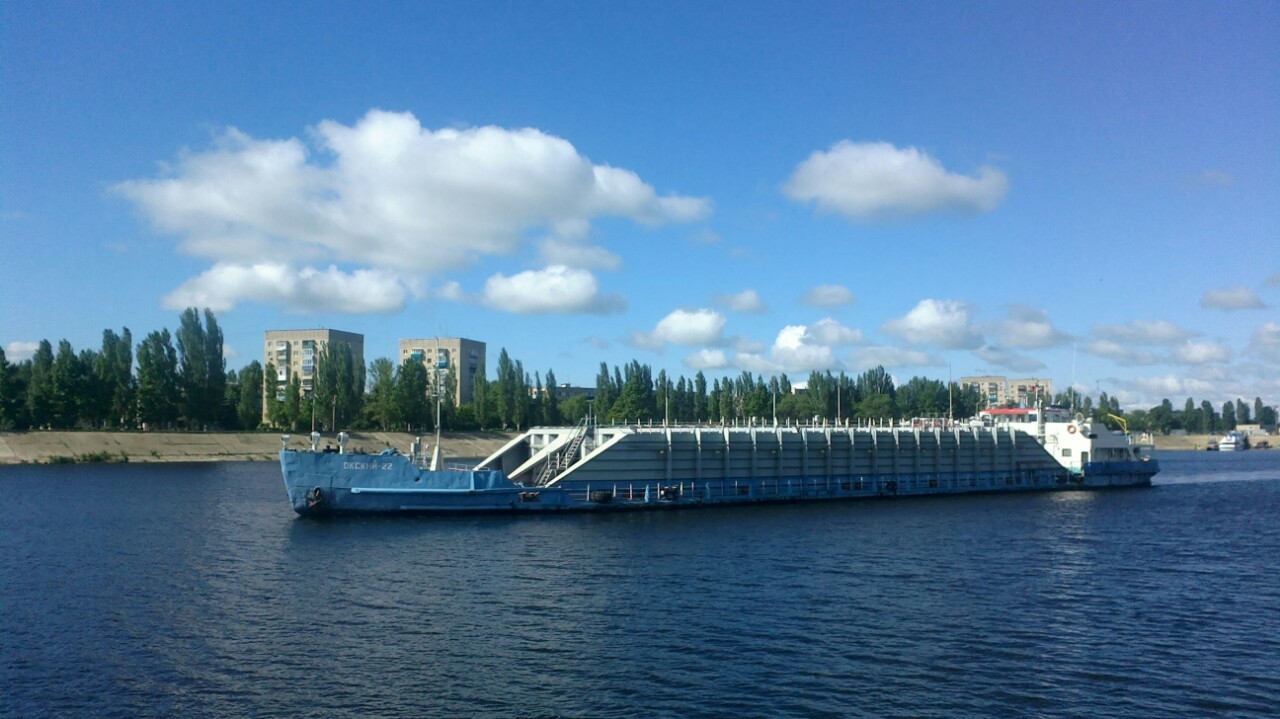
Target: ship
[[594, 467]]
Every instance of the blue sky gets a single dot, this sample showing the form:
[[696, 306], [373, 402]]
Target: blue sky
[[1084, 192]]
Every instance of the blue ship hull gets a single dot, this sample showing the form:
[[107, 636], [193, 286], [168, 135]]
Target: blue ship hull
[[321, 483]]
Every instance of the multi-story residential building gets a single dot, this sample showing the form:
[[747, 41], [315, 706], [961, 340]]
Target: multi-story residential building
[[462, 359], [997, 391], [295, 352]]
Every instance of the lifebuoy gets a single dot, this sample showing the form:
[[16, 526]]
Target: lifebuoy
[[1071, 428]]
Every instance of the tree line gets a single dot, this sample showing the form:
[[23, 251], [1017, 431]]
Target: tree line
[[180, 380]]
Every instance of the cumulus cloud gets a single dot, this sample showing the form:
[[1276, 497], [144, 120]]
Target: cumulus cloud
[[390, 194], [744, 301], [1232, 298], [893, 357], [305, 289], [707, 359], [1005, 357], [828, 297], [690, 328], [1141, 332], [940, 322], [1029, 328], [872, 180], [553, 290], [20, 351], [800, 348], [1205, 352]]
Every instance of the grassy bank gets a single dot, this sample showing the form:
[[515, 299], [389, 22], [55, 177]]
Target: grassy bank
[[76, 447]]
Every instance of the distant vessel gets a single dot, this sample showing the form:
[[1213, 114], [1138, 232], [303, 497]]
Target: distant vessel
[[1233, 442], [602, 468]]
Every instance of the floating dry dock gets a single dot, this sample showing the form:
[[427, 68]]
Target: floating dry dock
[[602, 468]]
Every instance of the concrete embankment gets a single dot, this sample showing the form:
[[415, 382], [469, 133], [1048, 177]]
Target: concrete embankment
[[44, 447]]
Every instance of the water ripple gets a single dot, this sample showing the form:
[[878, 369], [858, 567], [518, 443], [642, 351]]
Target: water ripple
[[192, 591]]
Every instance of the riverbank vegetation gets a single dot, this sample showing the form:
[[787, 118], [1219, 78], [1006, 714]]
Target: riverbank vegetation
[[180, 381]]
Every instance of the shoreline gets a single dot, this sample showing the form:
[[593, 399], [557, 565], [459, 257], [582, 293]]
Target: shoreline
[[67, 447], [83, 446]]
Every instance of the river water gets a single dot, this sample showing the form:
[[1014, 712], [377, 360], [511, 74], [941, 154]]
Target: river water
[[193, 591]]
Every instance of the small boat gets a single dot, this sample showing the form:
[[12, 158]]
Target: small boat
[[1233, 442]]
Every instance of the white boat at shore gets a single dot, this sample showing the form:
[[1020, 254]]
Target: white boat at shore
[[1233, 442]]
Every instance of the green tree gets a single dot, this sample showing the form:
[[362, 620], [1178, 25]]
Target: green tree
[[877, 407], [293, 412], [380, 406], [69, 388], [411, 395], [249, 405], [1228, 416], [158, 381], [8, 394], [338, 386], [551, 407], [1210, 418], [201, 367], [114, 371], [40, 386], [273, 396]]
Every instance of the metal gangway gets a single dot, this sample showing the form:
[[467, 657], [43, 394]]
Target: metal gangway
[[563, 458]]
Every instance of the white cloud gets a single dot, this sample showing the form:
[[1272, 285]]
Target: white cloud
[[1029, 328], [1120, 354], [388, 193], [831, 333], [871, 180], [576, 253], [745, 301], [1265, 343], [690, 328], [1150, 391], [891, 357], [941, 322], [1140, 332], [1200, 353], [1232, 298], [1005, 357], [305, 289], [828, 297], [453, 292], [707, 359], [20, 351], [553, 290]]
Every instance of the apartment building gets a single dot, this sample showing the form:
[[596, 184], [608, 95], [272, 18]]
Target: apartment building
[[462, 359], [998, 391], [295, 352]]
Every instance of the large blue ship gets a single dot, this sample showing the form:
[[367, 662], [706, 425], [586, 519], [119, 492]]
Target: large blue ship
[[628, 467]]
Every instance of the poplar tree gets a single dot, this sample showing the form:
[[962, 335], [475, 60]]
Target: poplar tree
[[248, 407], [158, 381], [40, 386], [381, 403]]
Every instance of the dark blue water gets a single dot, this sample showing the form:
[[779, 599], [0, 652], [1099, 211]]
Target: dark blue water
[[193, 591]]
